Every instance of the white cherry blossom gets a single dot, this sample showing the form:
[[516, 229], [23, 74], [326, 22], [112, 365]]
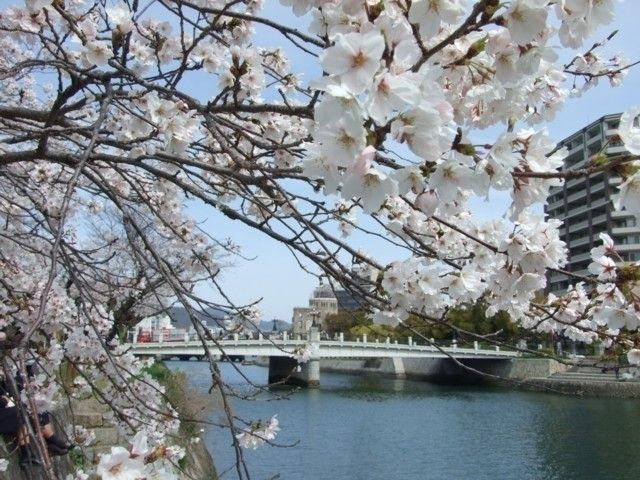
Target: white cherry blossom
[[259, 433], [355, 58], [119, 465], [98, 53], [526, 19], [629, 196], [629, 130], [429, 14], [371, 186]]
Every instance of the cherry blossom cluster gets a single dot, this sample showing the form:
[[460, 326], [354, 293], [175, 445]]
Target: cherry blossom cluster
[[304, 353], [258, 433], [121, 120], [139, 461]]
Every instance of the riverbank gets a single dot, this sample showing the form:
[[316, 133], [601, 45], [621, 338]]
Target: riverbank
[[96, 417]]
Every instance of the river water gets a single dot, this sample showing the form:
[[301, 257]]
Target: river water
[[371, 428]]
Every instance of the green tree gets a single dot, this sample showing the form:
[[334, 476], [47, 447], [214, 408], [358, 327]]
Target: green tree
[[344, 321], [373, 332], [462, 323]]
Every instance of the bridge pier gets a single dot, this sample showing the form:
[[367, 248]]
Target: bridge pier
[[286, 370], [398, 367]]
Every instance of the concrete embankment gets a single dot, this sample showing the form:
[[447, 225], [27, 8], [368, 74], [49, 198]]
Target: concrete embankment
[[447, 370], [535, 374], [96, 417]]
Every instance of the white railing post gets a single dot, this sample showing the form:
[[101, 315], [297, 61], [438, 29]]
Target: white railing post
[[260, 337], [284, 336], [364, 338], [341, 337], [186, 337], [475, 345], [497, 348], [395, 342], [160, 337], [410, 341], [235, 337], [387, 340], [454, 344]]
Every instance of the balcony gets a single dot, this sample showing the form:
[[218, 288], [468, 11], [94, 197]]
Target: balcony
[[581, 257], [579, 226], [583, 240], [577, 196], [616, 150]]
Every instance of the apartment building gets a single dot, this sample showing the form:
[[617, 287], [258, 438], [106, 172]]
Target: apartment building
[[585, 204]]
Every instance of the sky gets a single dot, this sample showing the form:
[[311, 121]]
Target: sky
[[274, 276]]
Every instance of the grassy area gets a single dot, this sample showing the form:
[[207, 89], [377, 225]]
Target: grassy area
[[190, 404]]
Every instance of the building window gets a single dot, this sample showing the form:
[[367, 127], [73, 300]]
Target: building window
[[624, 222], [630, 256], [594, 148], [594, 132], [574, 158]]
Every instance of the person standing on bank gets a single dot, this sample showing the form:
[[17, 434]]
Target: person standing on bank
[[12, 423]]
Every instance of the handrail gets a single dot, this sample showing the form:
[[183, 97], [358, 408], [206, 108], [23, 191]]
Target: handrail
[[290, 344]]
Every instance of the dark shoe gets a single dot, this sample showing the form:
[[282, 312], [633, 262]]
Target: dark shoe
[[58, 446], [56, 451], [28, 456]]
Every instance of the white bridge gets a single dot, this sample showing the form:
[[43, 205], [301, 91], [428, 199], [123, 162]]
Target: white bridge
[[320, 349], [281, 352]]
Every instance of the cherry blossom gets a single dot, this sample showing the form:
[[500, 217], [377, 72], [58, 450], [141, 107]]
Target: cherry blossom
[[259, 433], [119, 465], [355, 58], [633, 356], [303, 353], [526, 19], [629, 197], [154, 118], [629, 130], [429, 14]]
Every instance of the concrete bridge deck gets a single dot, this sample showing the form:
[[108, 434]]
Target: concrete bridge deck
[[281, 352], [320, 349]]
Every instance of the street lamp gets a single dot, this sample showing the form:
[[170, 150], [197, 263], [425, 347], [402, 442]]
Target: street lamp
[[314, 318]]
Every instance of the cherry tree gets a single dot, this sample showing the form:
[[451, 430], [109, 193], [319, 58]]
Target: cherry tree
[[146, 109]]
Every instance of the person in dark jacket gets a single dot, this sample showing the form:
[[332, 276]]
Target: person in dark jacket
[[12, 423]]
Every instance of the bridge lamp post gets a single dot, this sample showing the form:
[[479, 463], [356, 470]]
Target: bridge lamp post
[[313, 331], [314, 318]]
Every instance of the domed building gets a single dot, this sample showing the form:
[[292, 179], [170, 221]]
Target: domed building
[[323, 302]]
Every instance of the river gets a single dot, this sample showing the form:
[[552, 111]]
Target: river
[[372, 428]]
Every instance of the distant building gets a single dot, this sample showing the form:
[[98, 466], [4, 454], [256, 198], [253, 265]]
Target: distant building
[[210, 317], [149, 328], [365, 278], [157, 322], [323, 302], [584, 204], [348, 302]]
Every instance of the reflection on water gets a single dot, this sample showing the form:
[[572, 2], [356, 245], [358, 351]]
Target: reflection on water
[[373, 428]]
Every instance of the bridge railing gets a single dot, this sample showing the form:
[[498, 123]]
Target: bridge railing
[[285, 336], [287, 344]]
